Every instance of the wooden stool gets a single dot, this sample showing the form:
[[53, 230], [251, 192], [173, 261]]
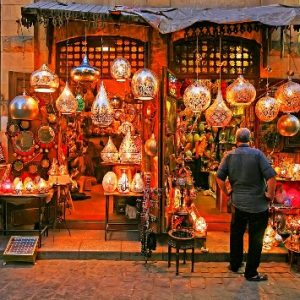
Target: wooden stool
[[181, 239]]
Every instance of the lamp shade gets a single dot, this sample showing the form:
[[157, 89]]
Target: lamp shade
[[102, 113], [267, 108], [240, 92], [109, 182], [85, 72], [120, 69], [197, 97], [44, 80], [144, 84], [218, 114], [129, 151], [288, 125], [23, 107], [110, 152], [66, 103], [288, 94]]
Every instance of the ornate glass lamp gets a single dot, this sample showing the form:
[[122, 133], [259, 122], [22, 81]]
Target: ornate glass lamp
[[240, 92], [24, 107], [44, 80], [110, 153], [288, 94], [120, 69], [137, 184], [218, 114], [102, 113], [85, 73], [288, 125], [197, 97], [129, 151], [144, 84], [66, 102], [267, 108], [109, 182]]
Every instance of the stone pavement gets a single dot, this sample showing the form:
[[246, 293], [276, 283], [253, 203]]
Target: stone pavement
[[122, 280]]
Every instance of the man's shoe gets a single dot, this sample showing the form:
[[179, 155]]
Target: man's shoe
[[258, 277], [239, 270]]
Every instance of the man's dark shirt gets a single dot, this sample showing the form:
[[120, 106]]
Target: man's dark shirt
[[247, 169]]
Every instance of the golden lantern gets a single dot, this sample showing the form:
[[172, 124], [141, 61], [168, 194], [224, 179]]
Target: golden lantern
[[66, 103], [137, 184], [288, 125], [102, 113], [144, 84], [129, 151], [44, 80], [116, 102], [269, 238], [151, 146], [123, 182], [120, 69], [288, 94], [110, 153], [24, 107], [267, 108], [109, 182], [43, 186], [85, 73], [240, 92], [218, 114], [197, 97]]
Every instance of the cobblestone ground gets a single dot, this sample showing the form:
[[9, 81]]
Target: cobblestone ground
[[122, 280]]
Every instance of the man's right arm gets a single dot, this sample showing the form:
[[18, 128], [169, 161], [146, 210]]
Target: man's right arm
[[271, 187]]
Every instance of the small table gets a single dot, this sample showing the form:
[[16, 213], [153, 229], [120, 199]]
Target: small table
[[18, 199], [293, 249], [108, 224], [181, 239]]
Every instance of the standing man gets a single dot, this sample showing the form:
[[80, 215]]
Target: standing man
[[253, 183]]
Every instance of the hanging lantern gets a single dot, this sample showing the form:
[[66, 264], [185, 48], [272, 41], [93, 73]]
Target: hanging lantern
[[80, 103], [144, 84], [110, 153], [120, 69], [109, 182], [85, 72], [240, 92], [24, 107], [66, 102], [123, 183], [267, 108], [288, 125], [137, 184], [44, 80], [102, 113], [288, 94], [115, 102], [218, 114], [129, 151], [197, 97], [151, 146]]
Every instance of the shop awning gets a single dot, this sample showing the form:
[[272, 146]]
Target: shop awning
[[165, 20]]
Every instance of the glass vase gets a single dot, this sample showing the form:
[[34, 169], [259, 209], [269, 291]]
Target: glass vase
[[137, 184], [123, 183]]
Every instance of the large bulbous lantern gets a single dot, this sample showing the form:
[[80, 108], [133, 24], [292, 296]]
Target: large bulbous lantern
[[218, 114], [66, 103], [267, 108], [288, 125], [85, 73], [102, 113], [120, 69], [109, 182], [288, 94], [197, 97], [24, 107], [110, 152], [240, 92], [44, 80], [144, 85]]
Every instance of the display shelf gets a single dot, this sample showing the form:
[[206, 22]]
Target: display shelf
[[119, 164], [130, 194]]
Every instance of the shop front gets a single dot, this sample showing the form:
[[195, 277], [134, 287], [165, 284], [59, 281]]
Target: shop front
[[125, 121]]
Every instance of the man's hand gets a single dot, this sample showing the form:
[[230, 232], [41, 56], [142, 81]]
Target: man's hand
[[269, 197]]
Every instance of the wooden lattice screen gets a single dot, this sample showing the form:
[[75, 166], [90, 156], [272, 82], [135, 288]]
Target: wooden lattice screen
[[239, 56], [133, 50]]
